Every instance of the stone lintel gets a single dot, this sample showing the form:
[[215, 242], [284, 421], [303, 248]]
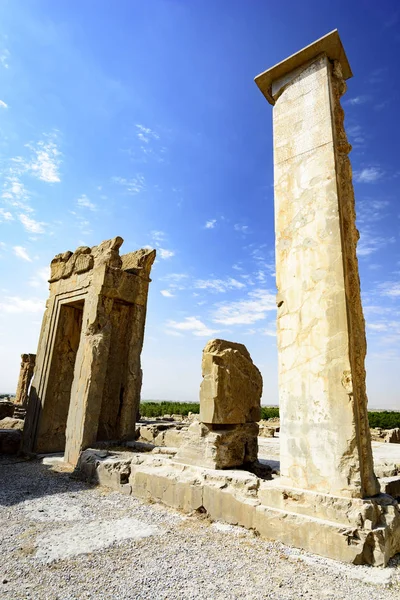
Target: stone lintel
[[330, 44]]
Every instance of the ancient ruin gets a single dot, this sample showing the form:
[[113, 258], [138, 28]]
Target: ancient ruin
[[230, 394], [87, 378], [24, 381], [327, 498]]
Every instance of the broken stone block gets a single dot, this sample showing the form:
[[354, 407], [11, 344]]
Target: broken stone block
[[12, 423], [393, 436], [232, 385], [226, 435], [219, 448]]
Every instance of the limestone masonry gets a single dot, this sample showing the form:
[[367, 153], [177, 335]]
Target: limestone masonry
[[230, 395], [24, 381], [324, 434], [87, 379]]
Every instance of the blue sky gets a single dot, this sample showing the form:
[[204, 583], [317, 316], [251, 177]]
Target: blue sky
[[142, 119]]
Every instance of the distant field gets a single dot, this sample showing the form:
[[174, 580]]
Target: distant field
[[385, 419]]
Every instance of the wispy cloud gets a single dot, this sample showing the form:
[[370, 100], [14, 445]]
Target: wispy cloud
[[370, 243], [164, 253], [390, 288], [84, 202], [167, 294], [356, 135], [210, 224], [175, 277], [357, 100], [14, 191], [218, 285], [377, 75], [4, 58], [145, 134], [191, 324], [31, 225], [15, 304], [3, 104], [254, 307], [371, 210], [368, 175], [242, 228], [5, 215], [46, 159], [158, 236], [134, 185], [21, 252], [40, 277]]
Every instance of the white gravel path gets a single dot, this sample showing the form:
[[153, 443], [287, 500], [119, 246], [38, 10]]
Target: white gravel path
[[61, 539]]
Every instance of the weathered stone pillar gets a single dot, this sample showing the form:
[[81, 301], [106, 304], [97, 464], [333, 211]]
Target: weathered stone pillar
[[325, 439], [25, 376]]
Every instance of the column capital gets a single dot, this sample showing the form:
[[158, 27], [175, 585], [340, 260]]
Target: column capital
[[330, 44]]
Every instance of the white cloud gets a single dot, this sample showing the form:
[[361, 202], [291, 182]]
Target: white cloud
[[390, 288], [14, 191], [241, 228], [132, 186], [4, 56], [368, 175], [31, 225], [191, 324], [357, 100], [84, 202], [245, 312], [175, 277], [41, 277], [164, 254], [46, 161], [210, 224], [21, 252], [370, 210], [157, 236], [15, 304], [3, 104], [369, 243], [145, 134], [167, 294], [5, 215], [218, 285]]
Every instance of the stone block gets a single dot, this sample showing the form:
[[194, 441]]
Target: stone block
[[232, 385], [223, 448]]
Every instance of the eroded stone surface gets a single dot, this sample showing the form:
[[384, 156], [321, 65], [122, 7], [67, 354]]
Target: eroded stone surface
[[226, 434], [325, 440], [221, 448], [25, 377], [88, 375], [231, 389], [347, 529]]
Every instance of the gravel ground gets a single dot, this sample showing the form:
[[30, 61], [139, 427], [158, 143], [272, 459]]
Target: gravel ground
[[62, 539]]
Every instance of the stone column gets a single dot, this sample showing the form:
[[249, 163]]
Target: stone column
[[25, 376], [325, 439]]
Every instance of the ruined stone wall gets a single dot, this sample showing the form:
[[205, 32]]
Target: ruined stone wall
[[88, 376]]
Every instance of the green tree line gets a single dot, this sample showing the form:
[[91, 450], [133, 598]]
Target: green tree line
[[385, 419]]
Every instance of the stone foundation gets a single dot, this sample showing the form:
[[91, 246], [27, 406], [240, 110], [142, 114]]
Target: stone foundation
[[352, 530]]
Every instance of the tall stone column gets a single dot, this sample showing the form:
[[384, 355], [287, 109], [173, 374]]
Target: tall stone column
[[325, 439]]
